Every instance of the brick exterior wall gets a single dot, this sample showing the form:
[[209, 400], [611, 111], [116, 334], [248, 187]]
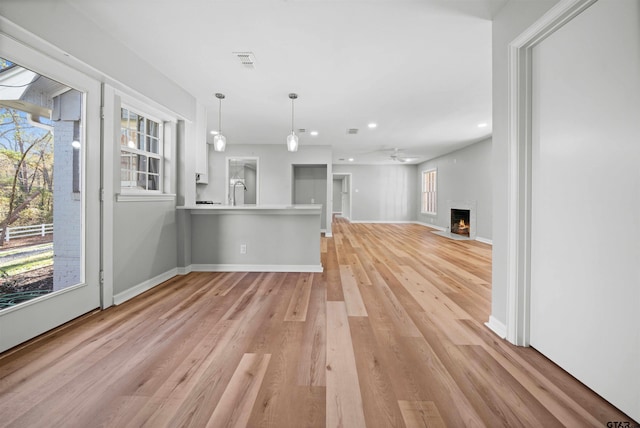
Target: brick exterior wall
[[67, 211]]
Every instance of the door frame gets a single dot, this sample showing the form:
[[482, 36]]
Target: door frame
[[349, 191], [49, 311], [519, 178]]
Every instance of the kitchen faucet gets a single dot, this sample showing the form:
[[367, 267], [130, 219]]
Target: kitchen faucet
[[233, 194]]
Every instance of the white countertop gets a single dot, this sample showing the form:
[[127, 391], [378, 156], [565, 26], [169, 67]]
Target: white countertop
[[260, 207]]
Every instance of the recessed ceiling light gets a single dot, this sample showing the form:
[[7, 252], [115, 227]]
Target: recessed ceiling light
[[483, 125], [372, 125], [314, 133], [351, 159], [214, 132]]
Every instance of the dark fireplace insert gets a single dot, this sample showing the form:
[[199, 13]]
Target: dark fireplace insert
[[460, 221]]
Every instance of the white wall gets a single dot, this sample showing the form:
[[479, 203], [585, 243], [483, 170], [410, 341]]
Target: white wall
[[585, 288], [463, 175], [382, 192], [60, 24], [511, 21]]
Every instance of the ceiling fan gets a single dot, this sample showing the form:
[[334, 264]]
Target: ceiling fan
[[398, 156]]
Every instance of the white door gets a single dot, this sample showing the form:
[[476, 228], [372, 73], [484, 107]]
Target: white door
[[55, 109], [585, 234]]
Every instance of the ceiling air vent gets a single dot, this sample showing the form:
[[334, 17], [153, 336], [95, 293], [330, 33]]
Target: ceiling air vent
[[247, 59], [302, 130], [352, 131]]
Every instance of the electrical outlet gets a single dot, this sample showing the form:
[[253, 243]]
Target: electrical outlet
[[243, 248], [313, 201]]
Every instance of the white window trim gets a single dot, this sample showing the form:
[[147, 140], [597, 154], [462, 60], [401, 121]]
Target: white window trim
[[144, 197], [168, 123], [422, 174]]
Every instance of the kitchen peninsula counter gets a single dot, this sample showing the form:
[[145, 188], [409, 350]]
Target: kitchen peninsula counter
[[251, 238]]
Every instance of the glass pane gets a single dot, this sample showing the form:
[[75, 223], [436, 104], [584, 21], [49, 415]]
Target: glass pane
[[152, 128], [133, 120], [152, 145], [154, 180], [140, 140], [142, 163], [142, 181], [44, 233], [140, 124], [154, 165]]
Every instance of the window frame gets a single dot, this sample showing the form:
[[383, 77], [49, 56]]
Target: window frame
[[136, 151], [114, 100], [433, 183]]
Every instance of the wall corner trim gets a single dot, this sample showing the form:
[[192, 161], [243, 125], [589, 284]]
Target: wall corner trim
[[184, 270], [497, 327]]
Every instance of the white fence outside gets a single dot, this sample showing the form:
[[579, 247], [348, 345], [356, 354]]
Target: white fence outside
[[26, 231]]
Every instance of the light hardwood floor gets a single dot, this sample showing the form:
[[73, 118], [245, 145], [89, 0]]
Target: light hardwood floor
[[391, 334]]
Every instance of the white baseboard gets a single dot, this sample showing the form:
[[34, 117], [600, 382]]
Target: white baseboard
[[432, 226], [184, 270], [497, 327], [328, 234], [383, 221], [254, 268], [484, 240], [143, 286]]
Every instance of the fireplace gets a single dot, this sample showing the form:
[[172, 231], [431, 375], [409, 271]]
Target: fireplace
[[461, 221]]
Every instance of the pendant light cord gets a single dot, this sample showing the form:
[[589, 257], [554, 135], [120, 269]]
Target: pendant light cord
[[220, 116]]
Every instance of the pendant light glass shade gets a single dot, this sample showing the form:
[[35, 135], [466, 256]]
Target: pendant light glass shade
[[219, 141], [292, 139], [292, 142]]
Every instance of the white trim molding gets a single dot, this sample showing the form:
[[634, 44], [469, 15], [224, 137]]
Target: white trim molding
[[139, 197], [497, 327], [254, 268], [383, 221], [484, 240], [519, 164], [432, 226], [136, 290]]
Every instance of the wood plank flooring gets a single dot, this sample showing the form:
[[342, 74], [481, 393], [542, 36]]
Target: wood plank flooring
[[391, 334]]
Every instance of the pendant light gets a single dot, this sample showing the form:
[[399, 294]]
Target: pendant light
[[292, 139], [219, 140]]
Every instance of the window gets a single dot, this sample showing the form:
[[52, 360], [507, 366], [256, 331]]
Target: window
[[429, 191], [141, 155]]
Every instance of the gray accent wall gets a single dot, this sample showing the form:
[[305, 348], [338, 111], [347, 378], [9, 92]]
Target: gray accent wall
[[144, 244], [337, 195], [463, 175], [384, 193]]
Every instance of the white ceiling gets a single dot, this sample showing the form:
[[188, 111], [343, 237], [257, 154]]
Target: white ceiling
[[421, 70]]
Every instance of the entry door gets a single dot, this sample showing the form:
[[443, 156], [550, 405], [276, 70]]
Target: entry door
[[55, 111], [585, 255]]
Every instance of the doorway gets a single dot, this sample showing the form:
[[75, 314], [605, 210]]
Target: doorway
[[51, 159], [342, 193], [310, 187]]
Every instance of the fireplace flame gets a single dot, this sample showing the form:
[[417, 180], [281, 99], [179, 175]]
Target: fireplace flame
[[462, 225]]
